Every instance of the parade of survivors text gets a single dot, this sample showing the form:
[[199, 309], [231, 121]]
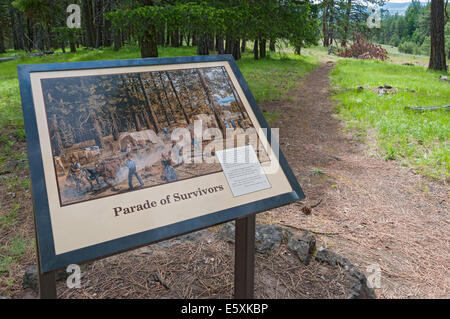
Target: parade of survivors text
[[175, 197]]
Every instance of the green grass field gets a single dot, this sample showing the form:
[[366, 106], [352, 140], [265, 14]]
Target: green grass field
[[419, 140]]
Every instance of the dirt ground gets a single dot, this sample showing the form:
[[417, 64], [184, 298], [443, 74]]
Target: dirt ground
[[383, 214]]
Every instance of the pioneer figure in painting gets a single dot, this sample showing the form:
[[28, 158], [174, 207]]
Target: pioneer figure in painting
[[132, 172], [169, 172], [59, 164], [75, 172]]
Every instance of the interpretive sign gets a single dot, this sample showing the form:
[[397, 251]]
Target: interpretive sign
[[129, 152]]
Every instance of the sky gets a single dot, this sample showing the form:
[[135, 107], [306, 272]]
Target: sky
[[402, 1]]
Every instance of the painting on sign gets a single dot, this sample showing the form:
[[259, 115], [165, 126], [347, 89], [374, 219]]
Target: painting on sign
[[116, 133]]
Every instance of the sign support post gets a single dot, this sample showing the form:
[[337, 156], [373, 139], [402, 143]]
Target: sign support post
[[46, 281], [244, 262], [47, 285]]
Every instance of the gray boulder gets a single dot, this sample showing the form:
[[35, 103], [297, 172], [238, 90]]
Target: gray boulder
[[30, 278], [227, 232], [329, 257], [267, 237], [303, 246], [270, 237], [359, 289], [201, 235]]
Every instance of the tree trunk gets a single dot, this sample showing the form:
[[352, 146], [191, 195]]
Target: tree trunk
[[202, 45], [326, 42], [115, 129], [237, 49], [178, 99], [29, 30], [437, 55], [117, 39], [167, 98], [17, 28], [211, 44], [147, 119], [256, 49], [98, 131], [57, 136], [73, 48], [154, 119], [272, 46], [219, 45], [229, 44], [262, 48], [347, 23], [88, 23], [244, 44], [175, 40], [149, 47], [136, 120], [107, 25], [161, 36], [98, 14], [2, 43], [158, 95], [212, 103]]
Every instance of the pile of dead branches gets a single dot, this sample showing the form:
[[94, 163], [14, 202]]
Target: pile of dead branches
[[363, 49]]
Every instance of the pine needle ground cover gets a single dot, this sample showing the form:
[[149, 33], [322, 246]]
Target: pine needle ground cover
[[419, 140]]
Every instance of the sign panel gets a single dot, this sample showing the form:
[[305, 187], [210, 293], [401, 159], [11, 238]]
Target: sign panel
[[125, 153]]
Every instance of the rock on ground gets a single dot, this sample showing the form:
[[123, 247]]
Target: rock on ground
[[303, 246], [359, 288]]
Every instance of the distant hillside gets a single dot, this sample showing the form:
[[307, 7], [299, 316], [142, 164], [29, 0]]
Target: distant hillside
[[399, 8]]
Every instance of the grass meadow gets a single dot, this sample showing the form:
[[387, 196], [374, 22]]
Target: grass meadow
[[417, 140]]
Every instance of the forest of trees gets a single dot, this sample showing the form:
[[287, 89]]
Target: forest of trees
[[410, 32], [222, 26]]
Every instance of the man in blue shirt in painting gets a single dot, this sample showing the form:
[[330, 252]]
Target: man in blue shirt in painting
[[132, 171]]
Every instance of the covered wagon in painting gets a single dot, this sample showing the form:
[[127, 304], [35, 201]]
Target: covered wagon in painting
[[208, 120], [130, 141]]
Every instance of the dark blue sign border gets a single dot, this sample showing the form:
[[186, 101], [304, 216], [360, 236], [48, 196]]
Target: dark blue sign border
[[49, 261]]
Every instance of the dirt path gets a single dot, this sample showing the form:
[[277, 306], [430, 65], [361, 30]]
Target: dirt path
[[383, 213]]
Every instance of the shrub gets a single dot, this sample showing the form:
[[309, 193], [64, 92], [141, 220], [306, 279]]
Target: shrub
[[408, 47]]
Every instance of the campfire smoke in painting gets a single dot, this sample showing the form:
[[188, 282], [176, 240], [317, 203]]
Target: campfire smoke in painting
[[113, 133]]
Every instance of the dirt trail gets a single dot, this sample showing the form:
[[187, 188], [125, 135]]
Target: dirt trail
[[383, 213]]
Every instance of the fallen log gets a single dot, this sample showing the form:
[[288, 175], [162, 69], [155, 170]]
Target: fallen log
[[428, 108]]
